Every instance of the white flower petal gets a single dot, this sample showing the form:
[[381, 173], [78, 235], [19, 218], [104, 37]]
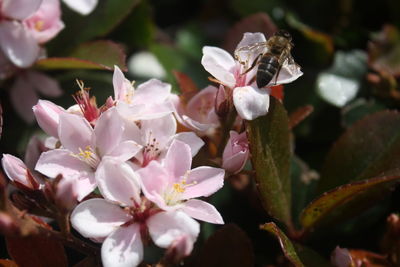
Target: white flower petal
[[19, 10], [18, 44], [123, 248], [83, 7], [250, 102], [203, 211], [97, 218], [192, 140], [165, 227], [219, 63], [118, 182]]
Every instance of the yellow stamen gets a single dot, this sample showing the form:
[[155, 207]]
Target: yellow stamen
[[39, 25]]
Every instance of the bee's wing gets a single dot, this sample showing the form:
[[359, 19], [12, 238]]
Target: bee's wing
[[290, 71], [247, 54]]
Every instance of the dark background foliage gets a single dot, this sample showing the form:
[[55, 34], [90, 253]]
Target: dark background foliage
[[175, 32]]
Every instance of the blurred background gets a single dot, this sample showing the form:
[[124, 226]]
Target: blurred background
[[349, 51]]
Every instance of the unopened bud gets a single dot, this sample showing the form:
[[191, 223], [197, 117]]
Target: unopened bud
[[47, 115], [66, 194], [179, 249], [341, 257], [223, 104], [18, 173], [236, 152], [8, 226]]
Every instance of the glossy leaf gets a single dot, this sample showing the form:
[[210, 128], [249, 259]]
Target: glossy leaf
[[106, 16], [309, 257], [92, 55], [36, 251], [304, 181], [358, 110], [347, 200], [270, 150], [285, 243], [366, 150], [229, 246]]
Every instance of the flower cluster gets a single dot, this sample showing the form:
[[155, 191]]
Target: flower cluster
[[25, 27], [129, 168]]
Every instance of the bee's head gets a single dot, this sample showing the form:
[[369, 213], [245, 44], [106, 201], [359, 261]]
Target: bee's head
[[284, 33]]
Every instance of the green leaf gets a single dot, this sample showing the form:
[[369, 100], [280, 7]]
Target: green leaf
[[229, 246], [92, 55], [270, 149], [107, 15], [309, 257], [138, 29], [366, 150], [285, 243], [347, 200], [304, 181], [359, 109]]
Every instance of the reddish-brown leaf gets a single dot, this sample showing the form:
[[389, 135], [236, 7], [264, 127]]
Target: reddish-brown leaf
[[8, 263], [36, 251], [229, 246], [299, 115], [259, 22]]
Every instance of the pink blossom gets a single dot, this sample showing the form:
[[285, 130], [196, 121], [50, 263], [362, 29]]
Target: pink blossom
[[122, 219], [23, 92], [83, 148], [199, 113], [149, 100], [47, 115], [173, 185], [155, 135], [46, 22], [17, 172], [249, 101], [236, 152], [16, 41]]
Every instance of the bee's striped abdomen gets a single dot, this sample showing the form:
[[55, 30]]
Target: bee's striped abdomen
[[267, 67]]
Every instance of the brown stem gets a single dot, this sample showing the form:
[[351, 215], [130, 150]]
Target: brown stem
[[63, 222], [70, 241], [226, 126]]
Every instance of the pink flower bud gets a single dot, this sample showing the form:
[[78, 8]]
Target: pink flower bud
[[46, 22], [47, 115], [8, 226], [66, 194], [179, 249], [236, 152], [18, 172], [341, 257]]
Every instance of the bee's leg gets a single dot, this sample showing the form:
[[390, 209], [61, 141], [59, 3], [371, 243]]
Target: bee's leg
[[252, 79], [253, 64], [277, 74]]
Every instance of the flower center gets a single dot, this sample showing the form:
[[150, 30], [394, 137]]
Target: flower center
[[87, 104], [151, 150], [89, 156], [39, 25], [172, 195]]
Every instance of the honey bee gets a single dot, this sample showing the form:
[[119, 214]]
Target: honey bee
[[270, 56]]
